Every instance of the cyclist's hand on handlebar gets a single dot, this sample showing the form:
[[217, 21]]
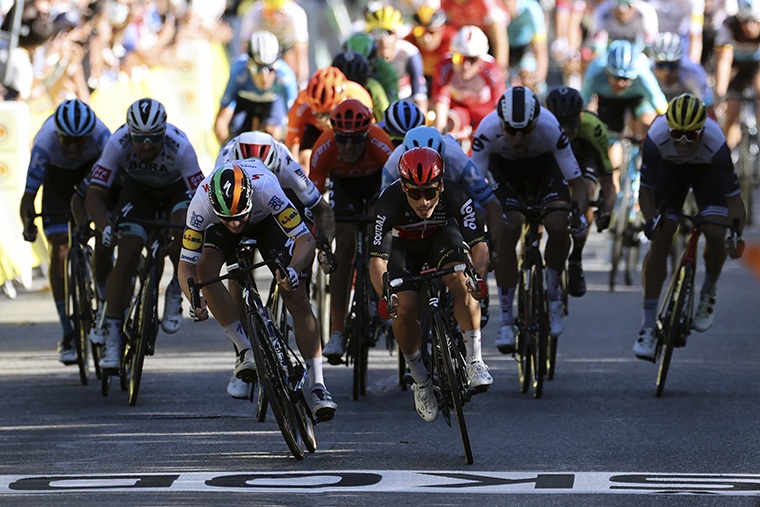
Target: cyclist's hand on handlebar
[[580, 227], [603, 221], [478, 288], [735, 249], [290, 281], [199, 314], [108, 236]]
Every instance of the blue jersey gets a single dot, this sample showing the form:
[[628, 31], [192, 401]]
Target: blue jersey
[[596, 82], [527, 25], [241, 84]]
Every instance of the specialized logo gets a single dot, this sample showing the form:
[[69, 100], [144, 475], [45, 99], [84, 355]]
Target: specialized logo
[[192, 240], [468, 215], [289, 218]]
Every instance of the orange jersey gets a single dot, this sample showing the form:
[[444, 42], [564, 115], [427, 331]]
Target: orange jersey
[[431, 57], [326, 160], [300, 114]]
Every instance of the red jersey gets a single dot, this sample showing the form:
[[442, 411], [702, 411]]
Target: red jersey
[[431, 57], [481, 13], [483, 89], [326, 160]]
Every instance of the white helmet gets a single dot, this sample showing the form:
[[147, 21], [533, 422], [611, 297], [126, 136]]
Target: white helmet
[[146, 116], [518, 108], [264, 49], [470, 41], [667, 47], [256, 144], [748, 10]]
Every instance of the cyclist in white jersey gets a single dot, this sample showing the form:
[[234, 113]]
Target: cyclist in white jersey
[[631, 20], [685, 18], [243, 199], [528, 160], [159, 170]]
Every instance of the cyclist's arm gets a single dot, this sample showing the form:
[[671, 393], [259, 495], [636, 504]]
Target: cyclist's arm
[[96, 207], [480, 258], [76, 203], [724, 58], [377, 268], [303, 252], [35, 175], [324, 219], [495, 221], [650, 161]]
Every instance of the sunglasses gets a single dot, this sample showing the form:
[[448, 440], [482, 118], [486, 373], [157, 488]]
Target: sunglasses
[[459, 59], [416, 193], [71, 139], [147, 138], [353, 138], [235, 218], [509, 129], [669, 66], [685, 135], [255, 68], [621, 79]]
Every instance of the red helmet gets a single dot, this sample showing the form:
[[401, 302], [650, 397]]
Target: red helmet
[[326, 89], [420, 166], [350, 117]]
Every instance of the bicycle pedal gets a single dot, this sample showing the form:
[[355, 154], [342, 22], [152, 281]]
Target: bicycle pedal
[[325, 414], [652, 360]]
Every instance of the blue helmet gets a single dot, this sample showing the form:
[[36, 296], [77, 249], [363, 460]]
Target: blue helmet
[[424, 137], [401, 117], [621, 60], [74, 118]]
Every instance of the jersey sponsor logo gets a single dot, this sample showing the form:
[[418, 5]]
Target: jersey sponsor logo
[[192, 240], [195, 179], [563, 141], [380, 144], [125, 140], [289, 218], [276, 203], [468, 215], [478, 143], [196, 220], [318, 152], [172, 144], [139, 165], [100, 173], [379, 223]]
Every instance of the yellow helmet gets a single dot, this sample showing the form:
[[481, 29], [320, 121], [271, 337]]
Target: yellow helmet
[[275, 5], [384, 18], [686, 112]]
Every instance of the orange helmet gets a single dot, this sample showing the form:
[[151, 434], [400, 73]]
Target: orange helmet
[[326, 89], [420, 166], [350, 117]]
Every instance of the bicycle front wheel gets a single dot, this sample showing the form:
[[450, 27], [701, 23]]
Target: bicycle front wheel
[[147, 329], [524, 340], [272, 378], [541, 331], [76, 295], [359, 329], [673, 323]]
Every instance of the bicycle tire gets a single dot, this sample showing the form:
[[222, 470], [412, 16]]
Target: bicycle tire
[[105, 383], [270, 375], [96, 355], [147, 322], [261, 401], [357, 333], [453, 387], [75, 297], [620, 218], [523, 338], [673, 320], [551, 358], [541, 326], [304, 423], [745, 171]]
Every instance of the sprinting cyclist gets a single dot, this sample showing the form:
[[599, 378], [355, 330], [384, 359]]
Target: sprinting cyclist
[[63, 151], [488, 15], [528, 159], [356, 68], [432, 221], [685, 150], [380, 68], [527, 42], [239, 200], [432, 35], [634, 21], [260, 91], [684, 18], [159, 171], [589, 141]]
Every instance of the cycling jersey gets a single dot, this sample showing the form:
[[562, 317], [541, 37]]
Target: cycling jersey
[[605, 28], [692, 79], [288, 23], [683, 17], [746, 49], [289, 173], [384, 72], [241, 84], [395, 215], [176, 161], [325, 159], [528, 26], [48, 153], [547, 138], [431, 57], [458, 167], [300, 116], [268, 200], [379, 98], [481, 13], [591, 144], [407, 62]]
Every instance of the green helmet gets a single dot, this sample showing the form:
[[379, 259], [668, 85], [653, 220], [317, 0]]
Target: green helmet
[[362, 43]]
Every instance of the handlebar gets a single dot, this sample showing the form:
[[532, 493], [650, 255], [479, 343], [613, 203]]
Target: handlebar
[[326, 257]]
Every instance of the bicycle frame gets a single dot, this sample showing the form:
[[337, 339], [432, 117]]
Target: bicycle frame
[[79, 290]]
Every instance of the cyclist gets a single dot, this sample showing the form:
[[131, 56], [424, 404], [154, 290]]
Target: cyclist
[[527, 157], [352, 154], [259, 92], [685, 149], [401, 117], [63, 151], [677, 75], [380, 68], [527, 42], [356, 68], [418, 210], [432, 35], [404, 57], [310, 114], [684, 18], [466, 85], [159, 170], [589, 141], [238, 200], [634, 21], [488, 15], [287, 21], [737, 61]]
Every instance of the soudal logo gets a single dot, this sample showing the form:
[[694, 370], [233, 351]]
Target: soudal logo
[[379, 224], [468, 215]]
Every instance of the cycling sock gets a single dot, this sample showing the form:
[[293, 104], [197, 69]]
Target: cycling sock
[[237, 335], [114, 331], [505, 301], [417, 367], [314, 372], [577, 253], [650, 313], [709, 286], [553, 285], [60, 306], [472, 344]]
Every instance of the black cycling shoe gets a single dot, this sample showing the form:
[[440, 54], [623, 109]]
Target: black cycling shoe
[[575, 280]]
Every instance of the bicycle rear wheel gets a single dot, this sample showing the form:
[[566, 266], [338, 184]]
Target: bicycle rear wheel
[[618, 230], [673, 323], [272, 378], [76, 296], [358, 329], [304, 423], [451, 381], [524, 340], [147, 329]]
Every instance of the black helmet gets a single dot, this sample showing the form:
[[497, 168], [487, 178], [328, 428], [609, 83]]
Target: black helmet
[[354, 65], [565, 102]]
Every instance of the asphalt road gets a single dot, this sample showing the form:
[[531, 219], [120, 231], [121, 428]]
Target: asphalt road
[[597, 437]]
